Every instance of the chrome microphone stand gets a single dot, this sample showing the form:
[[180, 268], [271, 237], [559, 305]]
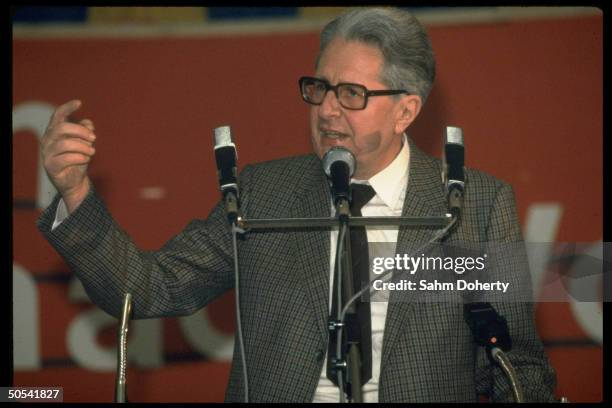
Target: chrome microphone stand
[[121, 383]]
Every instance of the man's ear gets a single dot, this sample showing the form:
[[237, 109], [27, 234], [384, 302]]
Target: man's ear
[[407, 111]]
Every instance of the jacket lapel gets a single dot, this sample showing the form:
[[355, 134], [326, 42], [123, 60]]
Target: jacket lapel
[[424, 197]]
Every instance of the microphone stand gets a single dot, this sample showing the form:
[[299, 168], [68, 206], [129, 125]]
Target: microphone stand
[[121, 383], [498, 355], [349, 382], [328, 222], [348, 365]]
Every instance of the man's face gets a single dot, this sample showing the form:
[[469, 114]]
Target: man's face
[[373, 134]]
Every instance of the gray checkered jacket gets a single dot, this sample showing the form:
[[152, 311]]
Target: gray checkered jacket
[[428, 351]]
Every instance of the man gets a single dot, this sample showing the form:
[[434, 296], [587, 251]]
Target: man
[[373, 74]]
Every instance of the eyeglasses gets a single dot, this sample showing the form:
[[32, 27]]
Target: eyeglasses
[[350, 96]]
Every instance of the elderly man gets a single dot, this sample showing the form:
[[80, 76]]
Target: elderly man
[[373, 74]]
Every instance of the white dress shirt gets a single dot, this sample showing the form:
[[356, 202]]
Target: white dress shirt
[[390, 187], [60, 214]]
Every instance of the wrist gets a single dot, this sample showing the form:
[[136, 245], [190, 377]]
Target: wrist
[[75, 197]]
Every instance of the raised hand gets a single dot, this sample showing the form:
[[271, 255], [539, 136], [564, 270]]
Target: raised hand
[[67, 149]]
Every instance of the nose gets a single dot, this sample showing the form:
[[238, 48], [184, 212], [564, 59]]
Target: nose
[[330, 107]]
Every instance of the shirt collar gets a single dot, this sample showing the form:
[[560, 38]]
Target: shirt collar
[[390, 182]]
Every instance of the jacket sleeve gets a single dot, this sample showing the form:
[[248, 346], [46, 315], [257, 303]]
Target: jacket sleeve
[[189, 271], [535, 374]]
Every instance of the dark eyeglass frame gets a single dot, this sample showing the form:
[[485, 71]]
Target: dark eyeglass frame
[[328, 87]]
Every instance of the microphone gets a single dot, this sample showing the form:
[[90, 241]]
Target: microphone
[[487, 326], [226, 158], [490, 330], [339, 166], [453, 162]]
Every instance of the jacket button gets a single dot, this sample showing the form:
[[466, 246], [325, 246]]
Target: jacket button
[[320, 355]]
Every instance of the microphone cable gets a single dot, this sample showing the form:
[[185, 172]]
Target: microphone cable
[[245, 376]]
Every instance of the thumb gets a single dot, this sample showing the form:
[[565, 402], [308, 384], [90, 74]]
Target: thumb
[[65, 110]]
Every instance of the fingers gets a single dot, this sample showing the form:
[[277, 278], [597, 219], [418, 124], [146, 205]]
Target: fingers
[[65, 153], [75, 159], [68, 164], [88, 124], [71, 145], [72, 130], [63, 111], [60, 126]]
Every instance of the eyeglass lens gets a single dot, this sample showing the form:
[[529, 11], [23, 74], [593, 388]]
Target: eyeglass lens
[[350, 96]]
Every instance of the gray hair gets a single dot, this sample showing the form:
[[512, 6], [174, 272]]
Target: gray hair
[[409, 62]]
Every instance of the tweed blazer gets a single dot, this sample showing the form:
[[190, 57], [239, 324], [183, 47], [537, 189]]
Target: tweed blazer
[[428, 352]]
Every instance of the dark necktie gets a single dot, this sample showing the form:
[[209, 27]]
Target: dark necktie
[[361, 195]]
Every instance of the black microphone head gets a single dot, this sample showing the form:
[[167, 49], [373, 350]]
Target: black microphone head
[[488, 327]]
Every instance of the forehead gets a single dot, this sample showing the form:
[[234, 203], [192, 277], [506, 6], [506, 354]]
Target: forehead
[[350, 61]]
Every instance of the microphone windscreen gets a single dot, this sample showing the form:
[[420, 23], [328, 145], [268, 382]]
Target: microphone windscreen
[[454, 135], [336, 154], [223, 136]]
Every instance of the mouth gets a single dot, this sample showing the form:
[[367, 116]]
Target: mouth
[[332, 134]]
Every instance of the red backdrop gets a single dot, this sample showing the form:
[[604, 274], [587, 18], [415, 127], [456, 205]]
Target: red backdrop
[[528, 96]]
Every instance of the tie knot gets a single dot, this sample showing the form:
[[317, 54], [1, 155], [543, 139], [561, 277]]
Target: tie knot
[[361, 194]]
